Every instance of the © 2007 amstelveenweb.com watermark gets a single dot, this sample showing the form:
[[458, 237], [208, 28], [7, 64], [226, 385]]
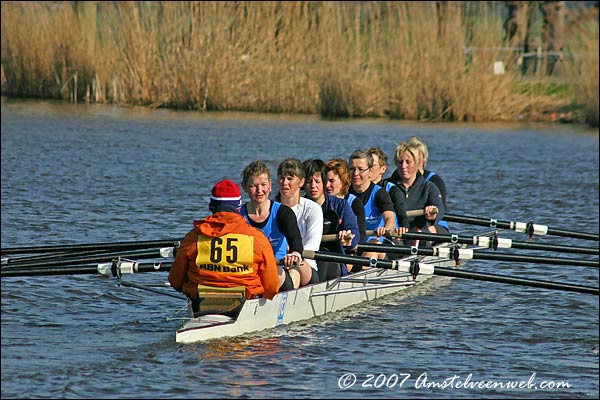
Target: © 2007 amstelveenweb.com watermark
[[423, 381]]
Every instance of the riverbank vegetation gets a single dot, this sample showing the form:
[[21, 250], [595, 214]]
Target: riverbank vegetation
[[401, 60]]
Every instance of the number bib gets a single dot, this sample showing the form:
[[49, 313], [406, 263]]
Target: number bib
[[228, 254]]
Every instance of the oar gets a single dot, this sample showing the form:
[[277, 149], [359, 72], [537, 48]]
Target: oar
[[334, 237], [115, 246], [468, 254], [110, 268], [494, 242], [164, 252], [150, 289], [409, 213], [8, 259], [430, 269], [524, 227], [48, 258]]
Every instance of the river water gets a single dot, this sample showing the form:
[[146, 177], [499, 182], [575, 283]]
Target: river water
[[86, 174]]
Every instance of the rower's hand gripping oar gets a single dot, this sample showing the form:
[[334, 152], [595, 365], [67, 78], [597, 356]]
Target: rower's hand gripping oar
[[409, 213]]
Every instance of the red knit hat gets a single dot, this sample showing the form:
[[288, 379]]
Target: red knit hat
[[225, 193]]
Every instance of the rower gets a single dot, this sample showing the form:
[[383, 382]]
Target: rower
[[277, 221], [419, 194], [430, 176], [379, 169], [338, 219], [379, 207]]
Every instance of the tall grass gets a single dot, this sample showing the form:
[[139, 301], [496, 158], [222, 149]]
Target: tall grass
[[404, 60], [583, 69]]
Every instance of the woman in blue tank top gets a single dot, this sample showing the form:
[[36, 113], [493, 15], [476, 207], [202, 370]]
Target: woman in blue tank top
[[275, 220], [379, 208]]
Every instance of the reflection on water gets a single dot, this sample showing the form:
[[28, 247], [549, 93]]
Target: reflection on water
[[92, 173], [235, 358], [239, 349]]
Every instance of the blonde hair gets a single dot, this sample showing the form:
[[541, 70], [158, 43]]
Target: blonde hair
[[421, 145], [411, 149]]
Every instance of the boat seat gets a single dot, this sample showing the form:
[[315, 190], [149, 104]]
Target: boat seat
[[220, 300]]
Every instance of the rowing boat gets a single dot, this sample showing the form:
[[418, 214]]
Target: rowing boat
[[231, 315], [313, 300]]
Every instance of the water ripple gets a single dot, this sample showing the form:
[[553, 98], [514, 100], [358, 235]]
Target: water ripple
[[101, 174]]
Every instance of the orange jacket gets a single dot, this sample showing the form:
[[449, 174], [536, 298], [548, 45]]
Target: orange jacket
[[232, 253]]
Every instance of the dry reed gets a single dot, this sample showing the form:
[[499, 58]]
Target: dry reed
[[405, 60]]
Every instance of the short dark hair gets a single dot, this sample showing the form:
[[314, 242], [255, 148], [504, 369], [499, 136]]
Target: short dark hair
[[315, 166]]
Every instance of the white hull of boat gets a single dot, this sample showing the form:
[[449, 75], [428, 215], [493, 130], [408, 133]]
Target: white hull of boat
[[306, 302]]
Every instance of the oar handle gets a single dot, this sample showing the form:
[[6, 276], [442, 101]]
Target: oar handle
[[417, 213], [334, 237]]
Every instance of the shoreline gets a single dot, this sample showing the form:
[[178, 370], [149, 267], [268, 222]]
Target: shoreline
[[141, 111], [552, 119]]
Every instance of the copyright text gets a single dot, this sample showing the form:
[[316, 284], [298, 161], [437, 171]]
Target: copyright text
[[454, 382]]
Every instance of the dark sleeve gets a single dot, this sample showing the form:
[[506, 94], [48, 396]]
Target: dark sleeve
[[288, 225], [359, 211], [435, 198], [350, 223], [439, 182], [398, 200]]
